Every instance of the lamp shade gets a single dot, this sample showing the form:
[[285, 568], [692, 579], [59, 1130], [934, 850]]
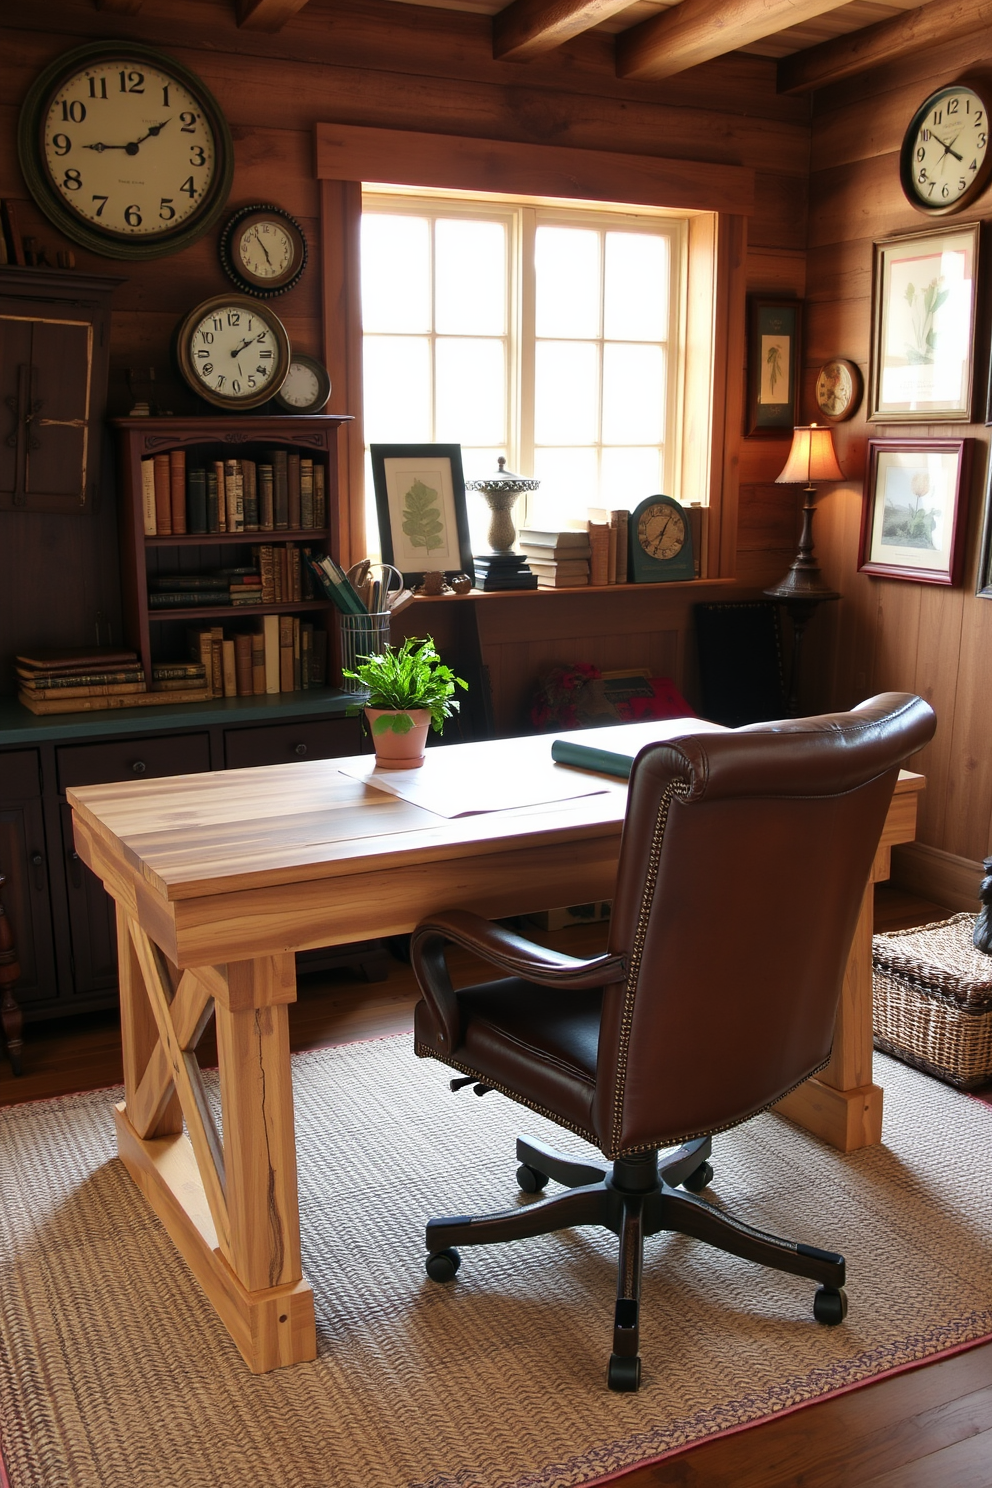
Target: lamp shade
[[811, 458]]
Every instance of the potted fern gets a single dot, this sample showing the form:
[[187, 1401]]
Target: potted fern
[[409, 691]]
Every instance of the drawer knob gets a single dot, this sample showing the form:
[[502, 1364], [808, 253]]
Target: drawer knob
[[139, 767], [36, 860], [300, 749]]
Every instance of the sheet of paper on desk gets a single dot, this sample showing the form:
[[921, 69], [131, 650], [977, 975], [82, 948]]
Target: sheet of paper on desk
[[449, 785]]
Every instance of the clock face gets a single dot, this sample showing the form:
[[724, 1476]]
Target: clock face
[[945, 154], [265, 250], [233, 352], [838, 390], [125, 150], [302, 386], [661, 531]]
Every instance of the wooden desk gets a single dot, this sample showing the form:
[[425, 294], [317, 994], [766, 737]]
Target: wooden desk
[[219, 878]]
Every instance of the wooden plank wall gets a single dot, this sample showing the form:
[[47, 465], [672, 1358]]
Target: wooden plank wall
[[888, 634], [367, 62]]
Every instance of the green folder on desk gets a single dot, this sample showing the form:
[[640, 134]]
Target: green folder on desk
[[612, 750]]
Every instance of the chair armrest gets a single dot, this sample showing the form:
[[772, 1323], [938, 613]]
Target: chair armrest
[[501, 948]]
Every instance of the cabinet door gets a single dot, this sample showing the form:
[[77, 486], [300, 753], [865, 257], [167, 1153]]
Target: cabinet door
[[23, 860], [92, 922], [47, 390]]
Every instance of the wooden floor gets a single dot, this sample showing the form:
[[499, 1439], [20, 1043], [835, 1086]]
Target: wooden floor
[[931, 1428]]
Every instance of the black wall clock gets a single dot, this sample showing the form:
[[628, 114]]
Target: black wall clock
[[233, 351], [125, 150], [660, 542], [945, 160], [263, 251]]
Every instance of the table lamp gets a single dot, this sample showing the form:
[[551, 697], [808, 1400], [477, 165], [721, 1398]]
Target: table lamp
[[812, 458]]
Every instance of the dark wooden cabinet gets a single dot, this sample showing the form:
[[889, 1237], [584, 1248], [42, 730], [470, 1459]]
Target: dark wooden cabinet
[[54, 352], [24, 862], [285, 742]]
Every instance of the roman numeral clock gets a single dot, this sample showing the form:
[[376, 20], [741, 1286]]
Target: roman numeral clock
[[125, 150]]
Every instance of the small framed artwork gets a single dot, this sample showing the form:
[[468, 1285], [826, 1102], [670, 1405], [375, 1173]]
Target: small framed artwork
[[984, 586], [420, 504], [912, 523], [838, 390], [923, 327], [773, 363]]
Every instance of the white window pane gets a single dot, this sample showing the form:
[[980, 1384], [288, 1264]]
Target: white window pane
[[633, 394], [569, 486], [628, 475], [566, 392], [470, 277], [636, 289], [397, 389], [396, 273], [471, 391], [478, 463], [567, 295]]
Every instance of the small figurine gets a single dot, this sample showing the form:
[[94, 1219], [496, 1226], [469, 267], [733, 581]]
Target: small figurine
[[433, 584], [982, 938], [461, 584]]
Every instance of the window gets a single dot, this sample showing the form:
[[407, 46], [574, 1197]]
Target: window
[[551, 336]]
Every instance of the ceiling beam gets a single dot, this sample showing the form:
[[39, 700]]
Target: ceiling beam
[[698, 30], [266, 15], [527, 28], [914, 30]]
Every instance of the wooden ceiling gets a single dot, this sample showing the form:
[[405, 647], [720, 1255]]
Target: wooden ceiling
[[816, 41]]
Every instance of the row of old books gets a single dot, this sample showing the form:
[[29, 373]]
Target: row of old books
[[279, 574], [286, 491], [283, 654], [81, 680], [609, 544], [573, 558]]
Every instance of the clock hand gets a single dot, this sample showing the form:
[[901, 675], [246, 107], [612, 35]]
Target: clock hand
[[100, 147], [239, 349], [132, 146], [264, 250], [948, 149]]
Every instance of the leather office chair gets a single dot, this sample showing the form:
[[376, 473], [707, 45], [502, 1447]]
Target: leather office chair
[[743, 862]]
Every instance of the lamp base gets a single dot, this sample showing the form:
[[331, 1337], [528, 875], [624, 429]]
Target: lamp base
[[804, 580]]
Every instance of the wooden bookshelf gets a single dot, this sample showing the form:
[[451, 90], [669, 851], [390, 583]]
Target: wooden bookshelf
[[204, 440]]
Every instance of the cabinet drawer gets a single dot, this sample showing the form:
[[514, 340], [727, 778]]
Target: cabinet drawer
[[20, 778], [283, 743], [133, 759]]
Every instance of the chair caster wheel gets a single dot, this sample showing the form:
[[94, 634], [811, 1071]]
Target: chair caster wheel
[[624, 1372], [529, 1180], [442, 1265], [830, 1305], [700, 1179]]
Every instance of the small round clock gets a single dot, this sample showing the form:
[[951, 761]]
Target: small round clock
[[125, 150], [838, 390], [307, 386], [233, 351], [945, 160], [263, 250], [660, 542]]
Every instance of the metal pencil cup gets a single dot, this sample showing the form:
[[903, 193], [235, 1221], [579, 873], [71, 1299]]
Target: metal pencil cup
[[361, 636]]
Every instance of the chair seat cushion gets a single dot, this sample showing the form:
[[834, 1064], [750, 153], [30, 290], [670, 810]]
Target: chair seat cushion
[[535, 1042]]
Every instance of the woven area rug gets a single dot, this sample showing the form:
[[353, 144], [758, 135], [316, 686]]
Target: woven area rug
[[115, 1373]]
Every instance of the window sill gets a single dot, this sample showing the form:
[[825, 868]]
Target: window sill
[[680, 586]]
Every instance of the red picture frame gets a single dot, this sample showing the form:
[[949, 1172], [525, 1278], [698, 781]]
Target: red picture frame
[[912, 519]]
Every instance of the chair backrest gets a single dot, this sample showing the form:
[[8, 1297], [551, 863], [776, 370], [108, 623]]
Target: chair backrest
[[744, 859]]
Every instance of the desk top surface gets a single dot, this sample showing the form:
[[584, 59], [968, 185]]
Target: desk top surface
[[188, 836]]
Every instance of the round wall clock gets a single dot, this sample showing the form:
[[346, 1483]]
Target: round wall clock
[[838, 390], [660, 542], [307, 386], [233, 351], [263, 250], [945, 160], [125, 150]]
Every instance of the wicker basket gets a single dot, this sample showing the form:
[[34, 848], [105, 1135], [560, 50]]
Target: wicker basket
[[933, 1000]]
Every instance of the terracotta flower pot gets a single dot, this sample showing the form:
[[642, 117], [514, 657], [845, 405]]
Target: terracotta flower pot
[[399, 750]]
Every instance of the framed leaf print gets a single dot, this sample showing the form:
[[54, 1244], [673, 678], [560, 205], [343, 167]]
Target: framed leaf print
[[420, 504], [772, 366], [923, 327]]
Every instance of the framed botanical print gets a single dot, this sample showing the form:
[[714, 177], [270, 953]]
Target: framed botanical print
[[923, 327], [773, 366], [420, 504], [912, 523]]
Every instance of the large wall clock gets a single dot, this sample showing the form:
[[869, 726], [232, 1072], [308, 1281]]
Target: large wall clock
[[945, 160], [125, 150]]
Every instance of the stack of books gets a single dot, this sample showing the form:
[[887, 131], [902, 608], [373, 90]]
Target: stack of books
[[559, 559], [610, 541], [285, 491], [68, 681], [283, 654], [278, 574]]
